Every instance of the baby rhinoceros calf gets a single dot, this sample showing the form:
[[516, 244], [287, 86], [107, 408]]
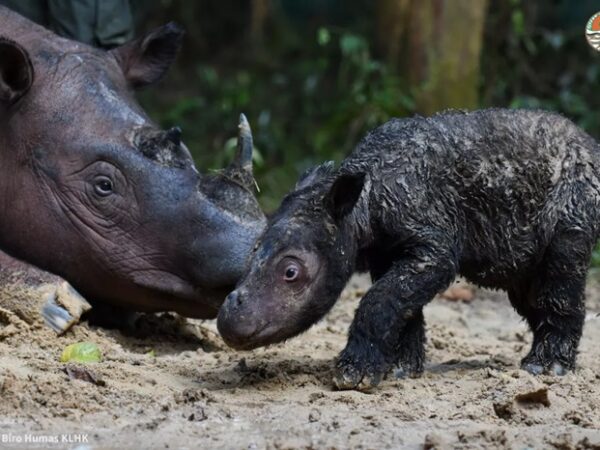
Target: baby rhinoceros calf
[[506, 198]]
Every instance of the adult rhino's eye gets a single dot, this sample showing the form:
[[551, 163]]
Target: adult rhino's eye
[[103, 186], [291, 273]]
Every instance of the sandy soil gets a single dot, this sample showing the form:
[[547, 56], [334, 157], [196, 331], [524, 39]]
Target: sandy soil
[[196, 393]]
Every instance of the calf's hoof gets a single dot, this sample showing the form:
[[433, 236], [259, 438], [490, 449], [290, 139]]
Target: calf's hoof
[[359, 370], [554, 368], [350, 377], [402, 372]]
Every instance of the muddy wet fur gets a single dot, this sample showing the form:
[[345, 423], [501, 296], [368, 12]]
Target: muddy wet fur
[[508, 199]]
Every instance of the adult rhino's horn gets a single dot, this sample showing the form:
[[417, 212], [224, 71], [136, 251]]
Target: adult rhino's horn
[[243, 157], [240, 169]]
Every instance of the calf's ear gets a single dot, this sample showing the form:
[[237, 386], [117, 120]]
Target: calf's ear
[[146, 60], [343, 194], [16, 72], [314, 174]]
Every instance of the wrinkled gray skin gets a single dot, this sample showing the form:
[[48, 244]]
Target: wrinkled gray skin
[[93, 191], [507, 198]]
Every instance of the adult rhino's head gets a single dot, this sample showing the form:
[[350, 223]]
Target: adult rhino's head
[[92, 190]]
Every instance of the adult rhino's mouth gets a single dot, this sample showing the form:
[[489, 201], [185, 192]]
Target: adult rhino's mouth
[[171, 292], [162, 280]]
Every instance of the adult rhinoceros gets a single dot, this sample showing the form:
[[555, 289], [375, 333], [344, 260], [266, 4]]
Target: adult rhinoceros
[[93, 191]]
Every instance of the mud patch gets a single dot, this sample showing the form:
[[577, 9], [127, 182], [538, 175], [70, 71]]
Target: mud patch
[[173, 383]]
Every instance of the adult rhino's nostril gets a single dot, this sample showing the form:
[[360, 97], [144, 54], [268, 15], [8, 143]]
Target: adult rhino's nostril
[[234, 299]]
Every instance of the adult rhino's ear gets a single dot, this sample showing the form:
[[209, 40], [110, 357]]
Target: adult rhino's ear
[[16, 72], [146, 60], [343, 194]]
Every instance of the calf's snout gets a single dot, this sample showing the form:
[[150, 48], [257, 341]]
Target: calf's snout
[[235, 325]]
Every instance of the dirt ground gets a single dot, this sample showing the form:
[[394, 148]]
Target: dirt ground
[[195, 393]]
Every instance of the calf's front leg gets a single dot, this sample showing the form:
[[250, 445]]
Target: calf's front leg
[[388, 328]]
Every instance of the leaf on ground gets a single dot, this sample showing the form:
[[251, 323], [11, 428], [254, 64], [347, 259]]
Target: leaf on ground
[[82, 352]]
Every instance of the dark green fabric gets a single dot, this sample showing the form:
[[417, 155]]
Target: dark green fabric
[[99, 22], [103, 23], [36, 10]]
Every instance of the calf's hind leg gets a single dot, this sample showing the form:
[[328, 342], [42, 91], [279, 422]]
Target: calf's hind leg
[[411, 358], [554, 304]]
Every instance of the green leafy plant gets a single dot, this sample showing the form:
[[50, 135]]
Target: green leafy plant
[[303, 110]]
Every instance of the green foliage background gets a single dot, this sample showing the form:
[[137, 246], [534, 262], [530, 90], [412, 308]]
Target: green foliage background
[[313, 82]]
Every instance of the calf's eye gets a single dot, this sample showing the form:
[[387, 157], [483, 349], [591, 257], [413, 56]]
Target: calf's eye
[[291, 273]]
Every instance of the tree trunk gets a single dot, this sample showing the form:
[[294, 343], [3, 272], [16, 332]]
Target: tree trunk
[[437, 44], [392, 23], [259, 14]]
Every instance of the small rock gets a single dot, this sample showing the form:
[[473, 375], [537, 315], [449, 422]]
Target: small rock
[[504, 410], [198, 415], [242, 366], [81, 373], [189, 395], [539, 396], [434, 441], [315, 396], [314, 416]]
